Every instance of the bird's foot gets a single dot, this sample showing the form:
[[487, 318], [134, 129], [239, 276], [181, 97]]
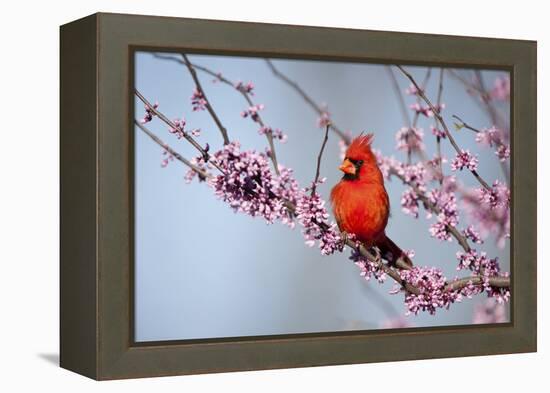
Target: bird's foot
[[344, 236]]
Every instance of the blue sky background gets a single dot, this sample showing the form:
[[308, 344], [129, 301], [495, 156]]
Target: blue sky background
[[203, 271]]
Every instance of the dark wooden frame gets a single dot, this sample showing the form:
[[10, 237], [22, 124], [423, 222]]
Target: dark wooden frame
[[96, 196]]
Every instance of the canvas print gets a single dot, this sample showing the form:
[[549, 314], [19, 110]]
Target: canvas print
[[287, 196]]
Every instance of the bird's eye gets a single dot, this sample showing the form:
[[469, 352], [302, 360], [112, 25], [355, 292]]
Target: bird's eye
[[360, 162]]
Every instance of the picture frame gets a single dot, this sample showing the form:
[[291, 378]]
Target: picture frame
[[96, 170]]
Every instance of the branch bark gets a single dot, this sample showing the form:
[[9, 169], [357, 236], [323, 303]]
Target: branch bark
[[213, 114]]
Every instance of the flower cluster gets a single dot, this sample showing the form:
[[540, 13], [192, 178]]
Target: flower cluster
[[200, 163], [245, 87], [368, 269], [409, 139], [167, 157], [501, 89], [324, 119], [179, 130], [471, 233], [276, 133], [149, 113], [252, 111], [447, 217], [485, 267], [490, 210], [489, 311], [198, 102], [313, 216], [464, 159], [431, 283], [426, 110], [248, 185], [438, 132], [503, 152], [490, 137]]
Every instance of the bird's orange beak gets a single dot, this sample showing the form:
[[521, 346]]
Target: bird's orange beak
[[347, 167]]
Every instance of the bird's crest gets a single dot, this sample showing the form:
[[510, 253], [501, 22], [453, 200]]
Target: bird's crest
[[360, 145]]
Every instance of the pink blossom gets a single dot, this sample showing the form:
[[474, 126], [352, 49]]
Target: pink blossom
[[447, 217], [412, 90], [431, 283], [426, 110], [501, 89], [276, 133], [252, 111], [409, 139], [471, 233], [368, 269], [410, 202], [245, 87], [248, 185], [503, 152], [438, 132], [324, 119], [149, 113], [464, 160], [490, 210], [490, 137], [489, 311], [167, 157], [198, 101], [311, 213]]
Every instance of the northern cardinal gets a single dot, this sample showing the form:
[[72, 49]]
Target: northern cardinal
[[360, 202]]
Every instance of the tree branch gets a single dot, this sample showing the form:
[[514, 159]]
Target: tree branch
[[319, 158], [437, 114], [185, 134], [201, 172], [213, 114]]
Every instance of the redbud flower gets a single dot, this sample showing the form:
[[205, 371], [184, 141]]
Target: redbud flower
[[276, 133], [503, 152], [149, 113], [245, 87], [252, 111], [409, 139], [501, 89], [198, 101], [324, 119], [464, 160]]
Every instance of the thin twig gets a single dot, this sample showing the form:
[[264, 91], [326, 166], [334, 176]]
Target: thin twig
[[466, 125], [185, 134], [209, 108], [201, 172], [320, 111], [437, 114], [319, 158]]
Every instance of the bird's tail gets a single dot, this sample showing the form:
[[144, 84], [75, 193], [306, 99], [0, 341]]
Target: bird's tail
[[392, 253]]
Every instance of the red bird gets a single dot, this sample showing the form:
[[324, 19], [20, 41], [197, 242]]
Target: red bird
[[360, 202]]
